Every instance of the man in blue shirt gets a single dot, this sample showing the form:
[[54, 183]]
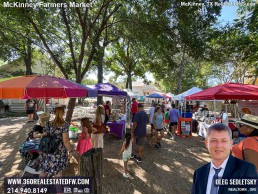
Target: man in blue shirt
[[139, 130], [173, 119]]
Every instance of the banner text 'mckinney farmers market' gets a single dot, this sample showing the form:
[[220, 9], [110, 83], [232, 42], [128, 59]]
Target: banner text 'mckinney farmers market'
[[46, 5]]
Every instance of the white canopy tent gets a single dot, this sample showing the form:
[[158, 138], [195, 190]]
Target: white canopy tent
[[181, 97], [131, 93]]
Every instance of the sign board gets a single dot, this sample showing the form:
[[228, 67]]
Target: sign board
[[185, 127], [248, 107]]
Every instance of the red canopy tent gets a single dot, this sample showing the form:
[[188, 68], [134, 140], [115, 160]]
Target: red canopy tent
[[166, 96], [233, 91]]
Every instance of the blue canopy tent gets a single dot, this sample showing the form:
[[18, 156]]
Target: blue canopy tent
[[156, 95]]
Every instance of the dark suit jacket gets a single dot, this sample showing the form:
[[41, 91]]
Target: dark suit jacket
[[235, 168]]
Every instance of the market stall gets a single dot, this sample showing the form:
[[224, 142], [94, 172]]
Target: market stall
[[233, 91], [117, 122], [226, 91], [185, 120]]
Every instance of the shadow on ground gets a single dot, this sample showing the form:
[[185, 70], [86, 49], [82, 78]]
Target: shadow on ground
[[166, 170]]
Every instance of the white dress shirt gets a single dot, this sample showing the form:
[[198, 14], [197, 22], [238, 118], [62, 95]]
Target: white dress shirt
[[212, 173]]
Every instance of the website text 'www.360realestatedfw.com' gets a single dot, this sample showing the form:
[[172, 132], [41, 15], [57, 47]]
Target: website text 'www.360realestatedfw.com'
[[48, 185]]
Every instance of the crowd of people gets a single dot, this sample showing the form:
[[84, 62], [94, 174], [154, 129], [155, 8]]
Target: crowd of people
[[218, 142], [227, 160], [160, 120], [91, 136]]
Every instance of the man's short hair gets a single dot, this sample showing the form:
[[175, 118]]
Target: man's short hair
[[107, 102], [219, 127], [133, 99], [140, 105], [173, 106]]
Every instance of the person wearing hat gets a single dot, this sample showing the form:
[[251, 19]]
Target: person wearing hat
[[247, 149]]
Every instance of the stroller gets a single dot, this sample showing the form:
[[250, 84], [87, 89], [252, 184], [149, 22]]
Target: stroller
[[29, 150]]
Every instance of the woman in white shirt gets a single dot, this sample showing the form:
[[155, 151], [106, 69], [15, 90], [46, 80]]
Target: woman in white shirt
[[97, 137]]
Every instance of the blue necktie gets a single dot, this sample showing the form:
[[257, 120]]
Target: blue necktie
[[214, 188]]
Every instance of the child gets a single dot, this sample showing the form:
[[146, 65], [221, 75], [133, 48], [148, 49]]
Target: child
[[127, 152], [84, 142], [166, 119]]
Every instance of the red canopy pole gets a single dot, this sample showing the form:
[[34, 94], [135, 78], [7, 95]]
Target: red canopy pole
[[214, 109], [44, 105]]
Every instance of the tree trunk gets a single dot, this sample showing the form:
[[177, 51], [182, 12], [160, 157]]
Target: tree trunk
[[129, 77], [80, 100], [126, 85], [91, 166], [70, 108], [28, 58], [130, 82], [100, 58], [180, 74], [255, 76]]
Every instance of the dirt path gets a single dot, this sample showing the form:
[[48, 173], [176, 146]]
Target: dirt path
[[166, 170]]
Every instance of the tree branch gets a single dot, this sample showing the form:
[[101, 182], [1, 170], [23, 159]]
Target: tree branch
[[63, 13], [57, 62], [93, 50]]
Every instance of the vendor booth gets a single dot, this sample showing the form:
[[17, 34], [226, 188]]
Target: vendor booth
[[185, 121], [227, 91], [233, 91], [117, 122]]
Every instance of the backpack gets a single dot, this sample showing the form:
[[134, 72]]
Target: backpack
[[49, 144]]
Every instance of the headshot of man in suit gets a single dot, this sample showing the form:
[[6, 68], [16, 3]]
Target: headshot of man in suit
[[223, 164]]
